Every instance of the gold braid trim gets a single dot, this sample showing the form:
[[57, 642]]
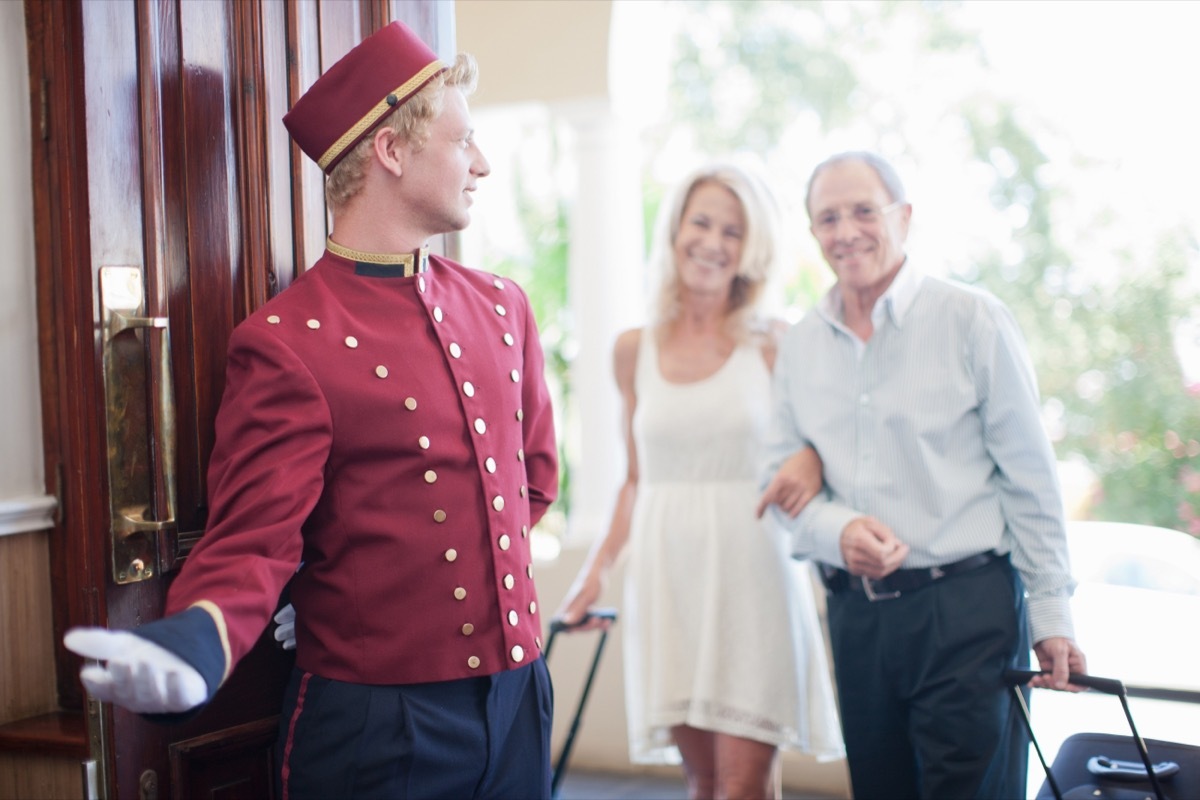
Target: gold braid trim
[[406, 260], [218, 618], [377, 113]]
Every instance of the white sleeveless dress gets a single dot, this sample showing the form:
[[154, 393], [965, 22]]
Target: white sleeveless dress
[[720, 626]]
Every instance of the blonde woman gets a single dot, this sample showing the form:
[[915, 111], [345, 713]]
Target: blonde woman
[[724, 662]]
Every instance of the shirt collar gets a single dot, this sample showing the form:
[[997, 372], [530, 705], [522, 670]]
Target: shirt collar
[[898, 298], [895, 301]]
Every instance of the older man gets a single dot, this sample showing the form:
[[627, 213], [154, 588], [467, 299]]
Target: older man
[[940, 533], [386, 424]]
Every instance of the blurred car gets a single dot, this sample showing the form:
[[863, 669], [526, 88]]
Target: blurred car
[[1137, 618], [1137, 603]]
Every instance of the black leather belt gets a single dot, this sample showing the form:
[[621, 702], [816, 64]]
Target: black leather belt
[[902, 580]]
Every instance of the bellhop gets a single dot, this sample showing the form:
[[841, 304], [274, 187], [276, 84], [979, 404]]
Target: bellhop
[[385, 444]]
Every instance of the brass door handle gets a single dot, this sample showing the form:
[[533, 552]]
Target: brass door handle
[[140, 424]]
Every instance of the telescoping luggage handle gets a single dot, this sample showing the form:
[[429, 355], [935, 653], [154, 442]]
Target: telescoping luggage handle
[[1016, 678], [556, 625]]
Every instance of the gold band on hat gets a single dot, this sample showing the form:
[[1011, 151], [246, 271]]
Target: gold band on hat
[[375, 114]]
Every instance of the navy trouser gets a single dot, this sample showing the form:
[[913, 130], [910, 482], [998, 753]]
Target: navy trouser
[[485, 737], [924, 710]]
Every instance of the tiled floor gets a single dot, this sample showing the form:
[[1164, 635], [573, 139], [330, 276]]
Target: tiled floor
[[614, 786]]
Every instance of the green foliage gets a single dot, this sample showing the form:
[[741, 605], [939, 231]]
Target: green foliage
[[725, 51], [751, 71], [541, 270], [767, 76]]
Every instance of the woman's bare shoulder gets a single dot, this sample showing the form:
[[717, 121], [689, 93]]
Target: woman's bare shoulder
[[625, 353]]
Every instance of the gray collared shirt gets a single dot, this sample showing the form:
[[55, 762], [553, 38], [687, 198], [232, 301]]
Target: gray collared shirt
[[932, 426]]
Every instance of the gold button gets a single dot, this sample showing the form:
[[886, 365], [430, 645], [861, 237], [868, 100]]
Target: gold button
[[468, 629], [480, 426], [439, 516], [504, 541], [508, 339], [524, 531], [313, 324], [498, 503], [521, 454], [500, 310], [451, 554], [520, 414], [421, 284], [529, 570], [273, 319], [512, 618], [351, 342], [423, 442], [381, 371], [516, 376], [473, 662], [430, 476], [538, 641], [533, 608], [499, 284], [460, 593], [490, 464], [410, 403], [468, 389], [518, 653], [509, 581], [455, 350], [437, 313], [521, 491]]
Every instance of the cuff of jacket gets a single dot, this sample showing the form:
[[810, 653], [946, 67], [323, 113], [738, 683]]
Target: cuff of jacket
[[193, 636]]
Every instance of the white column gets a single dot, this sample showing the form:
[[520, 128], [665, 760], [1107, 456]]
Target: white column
[[23, 507], [607, 288]]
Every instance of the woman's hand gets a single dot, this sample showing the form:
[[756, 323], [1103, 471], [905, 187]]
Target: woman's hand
[[581, 597], [797, 481]]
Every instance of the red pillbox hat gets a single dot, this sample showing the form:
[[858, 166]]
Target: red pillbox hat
[[363, 87]]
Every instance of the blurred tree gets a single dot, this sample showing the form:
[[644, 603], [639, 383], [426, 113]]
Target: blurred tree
[[913, 78], [540, 267]]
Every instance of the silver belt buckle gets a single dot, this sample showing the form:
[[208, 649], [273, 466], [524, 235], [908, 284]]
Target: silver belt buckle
[[868, 586]]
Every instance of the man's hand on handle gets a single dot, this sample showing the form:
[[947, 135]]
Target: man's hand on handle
[[1059, 657]]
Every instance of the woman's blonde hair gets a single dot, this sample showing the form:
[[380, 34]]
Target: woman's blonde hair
[[410, 123], [760, 243]]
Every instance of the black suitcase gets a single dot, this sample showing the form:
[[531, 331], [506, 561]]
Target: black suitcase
[[556, 625], [1101, 766]]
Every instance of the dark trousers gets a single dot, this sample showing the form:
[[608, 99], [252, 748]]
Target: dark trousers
[[485, 737], [925, 713]]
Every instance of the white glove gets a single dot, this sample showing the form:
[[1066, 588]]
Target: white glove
[[285, 618], [140, 675]]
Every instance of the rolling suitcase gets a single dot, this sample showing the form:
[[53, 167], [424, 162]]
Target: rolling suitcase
[[557, 625], [1102, 766]]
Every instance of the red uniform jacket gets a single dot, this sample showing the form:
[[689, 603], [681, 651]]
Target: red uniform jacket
[[396, 437]]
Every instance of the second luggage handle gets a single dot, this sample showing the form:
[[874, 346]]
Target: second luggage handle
[[1016, 678], [557, 625]]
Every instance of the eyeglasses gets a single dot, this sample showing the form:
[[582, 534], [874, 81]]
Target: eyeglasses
[[863, 214]]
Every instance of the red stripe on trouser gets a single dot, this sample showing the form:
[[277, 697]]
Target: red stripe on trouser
[[285, 769]]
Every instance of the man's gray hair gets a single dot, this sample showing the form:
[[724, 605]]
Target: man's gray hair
[[886, 172]]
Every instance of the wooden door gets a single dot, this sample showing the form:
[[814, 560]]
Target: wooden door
[[169, 204]]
